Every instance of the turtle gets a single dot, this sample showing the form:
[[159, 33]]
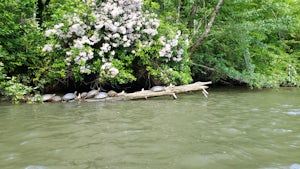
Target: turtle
[[47, 97], [92, 93], [56, 99], [69, 96], [158, 88], [101, 95], [83, 94], [112, 93]]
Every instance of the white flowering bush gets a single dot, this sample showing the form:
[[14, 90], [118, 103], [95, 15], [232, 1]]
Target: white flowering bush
[[113, 39], [167, 57]]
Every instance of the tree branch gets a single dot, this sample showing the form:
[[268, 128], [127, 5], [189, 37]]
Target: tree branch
[[205, 67], [207, 29]]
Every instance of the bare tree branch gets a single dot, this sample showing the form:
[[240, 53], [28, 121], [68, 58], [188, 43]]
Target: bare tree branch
[[204, 67], [207, 29]]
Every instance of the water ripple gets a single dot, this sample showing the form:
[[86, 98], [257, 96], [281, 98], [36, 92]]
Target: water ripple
[[230, 129], [293, 113], [295, 166], [35, 167]]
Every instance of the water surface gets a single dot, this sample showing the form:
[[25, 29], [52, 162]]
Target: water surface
[[232, 128]]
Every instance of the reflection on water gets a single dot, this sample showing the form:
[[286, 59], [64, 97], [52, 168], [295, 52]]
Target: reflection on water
[[229, 129]]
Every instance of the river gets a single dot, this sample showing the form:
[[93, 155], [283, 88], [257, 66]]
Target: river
[[232, 128]]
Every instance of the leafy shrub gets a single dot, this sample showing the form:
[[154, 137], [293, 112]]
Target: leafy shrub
[[114, 40], [20, 39], [253, 51]]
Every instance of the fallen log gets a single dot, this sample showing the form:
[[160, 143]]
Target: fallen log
[[168, 91]]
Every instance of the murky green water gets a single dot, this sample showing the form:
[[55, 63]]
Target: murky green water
[[231, 129]]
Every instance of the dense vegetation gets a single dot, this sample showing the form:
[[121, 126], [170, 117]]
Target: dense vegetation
[[68, 44]]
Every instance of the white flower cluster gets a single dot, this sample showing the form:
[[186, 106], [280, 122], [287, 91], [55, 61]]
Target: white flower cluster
[[49, 47], [124, 23], [170, 49], [112, 71], [116, 24]]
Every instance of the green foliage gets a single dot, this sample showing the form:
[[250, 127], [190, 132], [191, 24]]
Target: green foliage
[[168, 71], [258, 50], [15, 90], [20, 40], [3, 76], [262, 49], [12, 88], [106, 53]]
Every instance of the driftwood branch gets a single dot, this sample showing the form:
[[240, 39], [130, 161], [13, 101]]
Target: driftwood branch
[[144, 94]]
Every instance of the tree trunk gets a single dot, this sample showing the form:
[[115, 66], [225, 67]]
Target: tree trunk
[[41, 5], [206, 30]]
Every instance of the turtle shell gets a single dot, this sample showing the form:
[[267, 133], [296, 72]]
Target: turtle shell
[[101, 95], [112, 93], [92, 93], [56, 99], [69, 96], [158, 88], [47, 97], [83, 94]]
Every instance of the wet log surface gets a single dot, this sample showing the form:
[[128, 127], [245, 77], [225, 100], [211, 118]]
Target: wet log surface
[[168, 91]]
